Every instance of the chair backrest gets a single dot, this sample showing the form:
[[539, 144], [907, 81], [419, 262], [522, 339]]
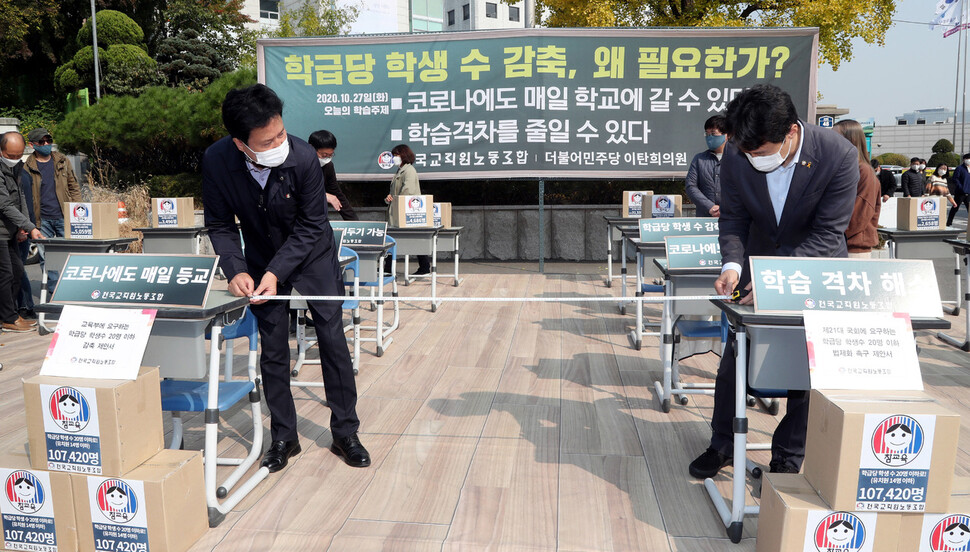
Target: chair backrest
[[243, 327]]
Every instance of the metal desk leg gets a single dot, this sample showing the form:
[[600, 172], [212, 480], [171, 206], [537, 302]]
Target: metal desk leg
[[666, 351], [622, 276], [733, 518], [637, 333], [965, 345], [434, 273], [407, 272], [955, 309], [609, 255], [457, 279]]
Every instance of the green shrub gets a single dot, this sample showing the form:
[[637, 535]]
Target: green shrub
[[893, 159], [44, 113], [942, 146], [950, 159], [114, 27]]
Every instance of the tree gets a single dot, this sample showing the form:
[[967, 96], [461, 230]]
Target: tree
[[942, 146], [839, 21], [187, 60], [125, 65], [218, 24], [316, 18]]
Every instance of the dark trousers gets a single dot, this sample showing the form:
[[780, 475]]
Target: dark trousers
[[337, 367], [961, 199], [11, 272], [788, 442], [25, 299], [424, 263]]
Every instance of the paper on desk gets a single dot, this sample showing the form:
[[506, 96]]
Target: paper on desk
[[98, 343]]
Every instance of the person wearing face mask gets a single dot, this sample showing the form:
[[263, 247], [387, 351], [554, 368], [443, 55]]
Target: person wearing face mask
[[961, 189], [887, 183], [405, 182], [703, 177], [787, 189], [273, 184], [15, 227], [862, 234], [326, 145], [939, 185], [54, 184], [914, 180]]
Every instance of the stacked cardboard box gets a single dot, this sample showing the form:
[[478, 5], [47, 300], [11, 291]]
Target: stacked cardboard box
[[634, 203], [878, 470], [921, 213], [91, 221], [173, 212], [415, 211], [442, 215], [97, 477]]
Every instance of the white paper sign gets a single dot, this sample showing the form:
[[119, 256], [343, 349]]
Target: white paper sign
[[827, 530], [950, 532], [861, 350], [887, 213], [92, 342]]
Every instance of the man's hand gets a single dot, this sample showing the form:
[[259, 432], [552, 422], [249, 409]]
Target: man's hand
[[21, 236], [36, 235], [885, 198], [333, 201], [726, 282], [241, 285], [715, 211], [267, 286], [388, 199]]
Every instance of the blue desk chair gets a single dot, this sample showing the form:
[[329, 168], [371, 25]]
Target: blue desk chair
[[213, 396], [304, 341]]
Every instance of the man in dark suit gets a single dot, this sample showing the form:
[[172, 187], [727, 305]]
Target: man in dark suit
[[787, 189], [326, 145], [273, 184], [887, 182]]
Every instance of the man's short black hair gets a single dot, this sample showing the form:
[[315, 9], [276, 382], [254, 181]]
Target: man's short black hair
[[762, 113], [245, 109], [717, 122], [966, 155], [323, 139], [874, 162], [914, 160]]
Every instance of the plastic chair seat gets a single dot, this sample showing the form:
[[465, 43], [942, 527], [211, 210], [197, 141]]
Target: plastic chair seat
[[191, 396], [651, 288], [698, 328]]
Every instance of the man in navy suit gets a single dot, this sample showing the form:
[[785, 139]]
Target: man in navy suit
[[272, 183], [787, 189]]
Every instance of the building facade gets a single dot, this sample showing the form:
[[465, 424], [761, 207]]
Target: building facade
[[471, 15]]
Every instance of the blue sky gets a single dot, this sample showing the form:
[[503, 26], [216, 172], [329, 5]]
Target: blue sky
[[914, 70]]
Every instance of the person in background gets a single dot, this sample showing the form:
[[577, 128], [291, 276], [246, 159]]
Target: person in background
[[961, 188], [54, 184], [703, 181], [787, 189], [15, 227], [914, 181], [405, 182], [25, 299], [861, 235], [326, 145], [887, 182], [939, 185]]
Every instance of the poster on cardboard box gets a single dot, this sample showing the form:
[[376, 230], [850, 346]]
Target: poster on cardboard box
[[861, 350], [168, 211], [945, 532], [634, 200], [27, 511], [664, 206], [82, 220], [827, 531], [118, 514], [415, 211], [928, 214], [894, 468], [71, 428]]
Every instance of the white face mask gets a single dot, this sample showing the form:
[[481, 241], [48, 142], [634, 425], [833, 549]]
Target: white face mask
[[941, 172], [914, 167], [323, 160], [397, 160], [922, 166], [10, 162], [768, 163], [272, 157], [966, 162]]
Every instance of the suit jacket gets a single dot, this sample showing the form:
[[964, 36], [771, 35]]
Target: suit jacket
[[284, 226], [703, 182], [817, 209], [887, 182], [961, 180], [346, 212]]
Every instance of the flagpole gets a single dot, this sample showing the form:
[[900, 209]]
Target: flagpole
[[963, 114], [956, 78]]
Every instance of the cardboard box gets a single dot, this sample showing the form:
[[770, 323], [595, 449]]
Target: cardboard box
[[159, 505], [633, 202], [921, 213], [881, 450], [37, 507], [442, 215], [933, 532], [794, 518], [412, 212], [664, 206], [95, 426], [91, 221], [173, 212]]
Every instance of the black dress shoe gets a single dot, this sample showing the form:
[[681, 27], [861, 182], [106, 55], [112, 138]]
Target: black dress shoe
[[27, 314], [279, 453], [421, 272], [782, 466], [350, 449], [708, 464]]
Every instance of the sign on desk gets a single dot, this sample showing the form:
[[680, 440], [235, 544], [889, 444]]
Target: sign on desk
[[693, 251], [796, 284], [90, 342], [136, 280], [655, 230], [361, 232]]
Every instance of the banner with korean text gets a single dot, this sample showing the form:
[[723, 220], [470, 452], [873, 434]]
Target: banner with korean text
[[532, 103]]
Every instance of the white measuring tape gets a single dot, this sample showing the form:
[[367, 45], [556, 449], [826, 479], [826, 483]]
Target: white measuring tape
[[367, 298]]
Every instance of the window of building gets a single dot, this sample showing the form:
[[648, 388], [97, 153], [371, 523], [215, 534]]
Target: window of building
[[465, 12], [921, 121], [513, 13], [491, 10], [451, 17], [269, 9]]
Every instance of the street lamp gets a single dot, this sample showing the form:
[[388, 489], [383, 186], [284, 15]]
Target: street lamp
[[94, 37]]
